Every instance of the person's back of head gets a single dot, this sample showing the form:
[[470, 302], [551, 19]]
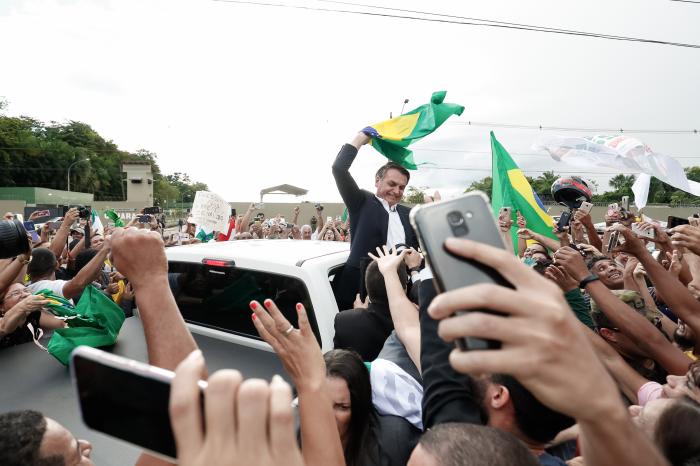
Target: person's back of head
[[21, 433], [458, 444], [43, 263], [374, 282], [535, 421], [83, 258], [676, 432]]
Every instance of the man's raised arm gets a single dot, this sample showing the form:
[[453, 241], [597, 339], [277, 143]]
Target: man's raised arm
[[349, 191]]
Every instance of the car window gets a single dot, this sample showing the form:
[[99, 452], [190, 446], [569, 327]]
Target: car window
[[219, 297], [334, 272]]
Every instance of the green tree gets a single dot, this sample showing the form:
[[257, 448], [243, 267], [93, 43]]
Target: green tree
[[414, 195], [485, 185], [622, 184]]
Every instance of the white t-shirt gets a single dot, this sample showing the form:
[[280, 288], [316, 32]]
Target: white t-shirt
[[55, 286]]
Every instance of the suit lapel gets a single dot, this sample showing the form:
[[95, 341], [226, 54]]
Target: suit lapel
[[383, 219]]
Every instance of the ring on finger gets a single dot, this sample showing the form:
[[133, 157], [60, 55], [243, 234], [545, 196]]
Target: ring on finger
[[288, 331]]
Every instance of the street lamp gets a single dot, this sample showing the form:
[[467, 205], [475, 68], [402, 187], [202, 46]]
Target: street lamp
[[71, 166]]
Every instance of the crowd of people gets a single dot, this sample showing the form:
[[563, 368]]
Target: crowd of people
[[596, 361]]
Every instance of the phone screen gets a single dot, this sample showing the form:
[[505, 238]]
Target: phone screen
[[124, 404]]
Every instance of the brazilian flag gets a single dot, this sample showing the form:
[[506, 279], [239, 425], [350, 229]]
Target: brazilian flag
[[511, 189], [396, 134], [112, 215]]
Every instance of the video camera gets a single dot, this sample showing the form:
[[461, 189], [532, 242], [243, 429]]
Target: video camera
[[13, 239]]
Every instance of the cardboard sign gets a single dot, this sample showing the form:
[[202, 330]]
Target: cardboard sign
[[210, 211]]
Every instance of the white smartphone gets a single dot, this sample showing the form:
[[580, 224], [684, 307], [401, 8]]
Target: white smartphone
[[125, 399], [505, 213], [585, 207], [625, 203], [649, 234]]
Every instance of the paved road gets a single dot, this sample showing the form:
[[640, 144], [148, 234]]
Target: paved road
[[33, 379]]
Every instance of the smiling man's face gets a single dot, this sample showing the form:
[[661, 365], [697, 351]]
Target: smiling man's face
[[610, 274]]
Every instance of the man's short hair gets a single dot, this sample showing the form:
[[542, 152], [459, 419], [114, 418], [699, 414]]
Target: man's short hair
[[21, 433], [457, 444], [374, 282], [595, 259], [392, 166], [535, 420], [43, 263]]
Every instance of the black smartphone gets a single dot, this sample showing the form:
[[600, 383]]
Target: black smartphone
[[675, 221], [145, 218], [152, 210], [468, 216], [125, 399], [564, 220]]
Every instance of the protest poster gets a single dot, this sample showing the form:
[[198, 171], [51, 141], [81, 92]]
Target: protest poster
[[210, 211]]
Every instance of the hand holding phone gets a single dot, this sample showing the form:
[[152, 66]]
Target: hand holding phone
[[470, 217]]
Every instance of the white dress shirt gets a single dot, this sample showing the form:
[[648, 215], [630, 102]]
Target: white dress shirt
[[395, 233]]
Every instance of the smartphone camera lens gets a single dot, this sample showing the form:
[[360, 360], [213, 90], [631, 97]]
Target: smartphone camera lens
[[457, 223]]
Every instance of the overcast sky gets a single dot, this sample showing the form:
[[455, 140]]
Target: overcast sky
[[245, 97]]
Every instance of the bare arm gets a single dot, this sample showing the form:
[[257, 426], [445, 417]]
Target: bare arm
[[17, 315], [403, 312], [9, 274], [593, 238], [77, 284], [59, 241], [140, 256], [246, 219]]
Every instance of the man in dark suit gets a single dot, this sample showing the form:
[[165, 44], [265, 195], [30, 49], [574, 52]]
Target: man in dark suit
[[375, 219]]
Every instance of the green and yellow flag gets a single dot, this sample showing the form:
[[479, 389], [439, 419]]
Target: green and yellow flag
[[395, 135], [511, 189]]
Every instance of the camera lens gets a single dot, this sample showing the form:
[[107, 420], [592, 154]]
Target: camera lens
[[455, 219]]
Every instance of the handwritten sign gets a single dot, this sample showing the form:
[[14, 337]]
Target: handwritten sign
[[210, 211]]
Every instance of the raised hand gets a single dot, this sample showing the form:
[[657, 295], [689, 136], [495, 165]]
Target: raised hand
[[387, 261], [686, 236], [297, 348], [246, 422]]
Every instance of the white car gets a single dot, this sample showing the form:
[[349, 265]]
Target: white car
[[213, 284]]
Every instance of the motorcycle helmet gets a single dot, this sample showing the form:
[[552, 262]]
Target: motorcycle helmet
[[571, 191]]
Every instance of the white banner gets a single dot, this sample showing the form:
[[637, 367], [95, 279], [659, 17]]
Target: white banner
[[210, 211], [621, 153]]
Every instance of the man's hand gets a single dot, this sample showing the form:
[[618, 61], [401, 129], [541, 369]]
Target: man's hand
[[686, 236], [31, 303], [522, 223], [504, 223], [246, 422], [542, 343], [412, 258], [559, 276], [70, 218], [525, 233], [388, 261], [139, 255], [360, 139], [583, 217], [572, 263], [632, 244], [434, 198], [589, 249]]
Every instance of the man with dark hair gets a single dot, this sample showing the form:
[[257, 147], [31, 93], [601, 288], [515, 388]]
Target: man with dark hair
[[42, 273], [377, 219], [457, 444], [512, 408], [29, 439], [366, 330]]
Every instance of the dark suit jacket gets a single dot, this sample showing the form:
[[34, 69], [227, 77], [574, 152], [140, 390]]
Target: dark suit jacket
[[363, 330], [369, 220]]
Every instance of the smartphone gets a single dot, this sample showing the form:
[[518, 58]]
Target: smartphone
[[29, 226], [613, 241], [675, 221], [144, 218], [469, 216], [505, 213], [585, 207], [125, 399], [329, 219], [564, 220], [625, 203], [649, 234]]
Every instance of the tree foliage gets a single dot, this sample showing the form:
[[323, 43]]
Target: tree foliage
[[36, 154]]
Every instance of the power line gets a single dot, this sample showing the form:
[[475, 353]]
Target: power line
[[685, 1], [529, 170], [444, 19], [564, 128], [522, 154]]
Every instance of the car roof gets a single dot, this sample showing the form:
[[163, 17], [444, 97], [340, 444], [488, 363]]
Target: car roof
[[259, 251]]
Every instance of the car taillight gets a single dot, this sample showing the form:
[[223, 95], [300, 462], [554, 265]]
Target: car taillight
[[218, 263]]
